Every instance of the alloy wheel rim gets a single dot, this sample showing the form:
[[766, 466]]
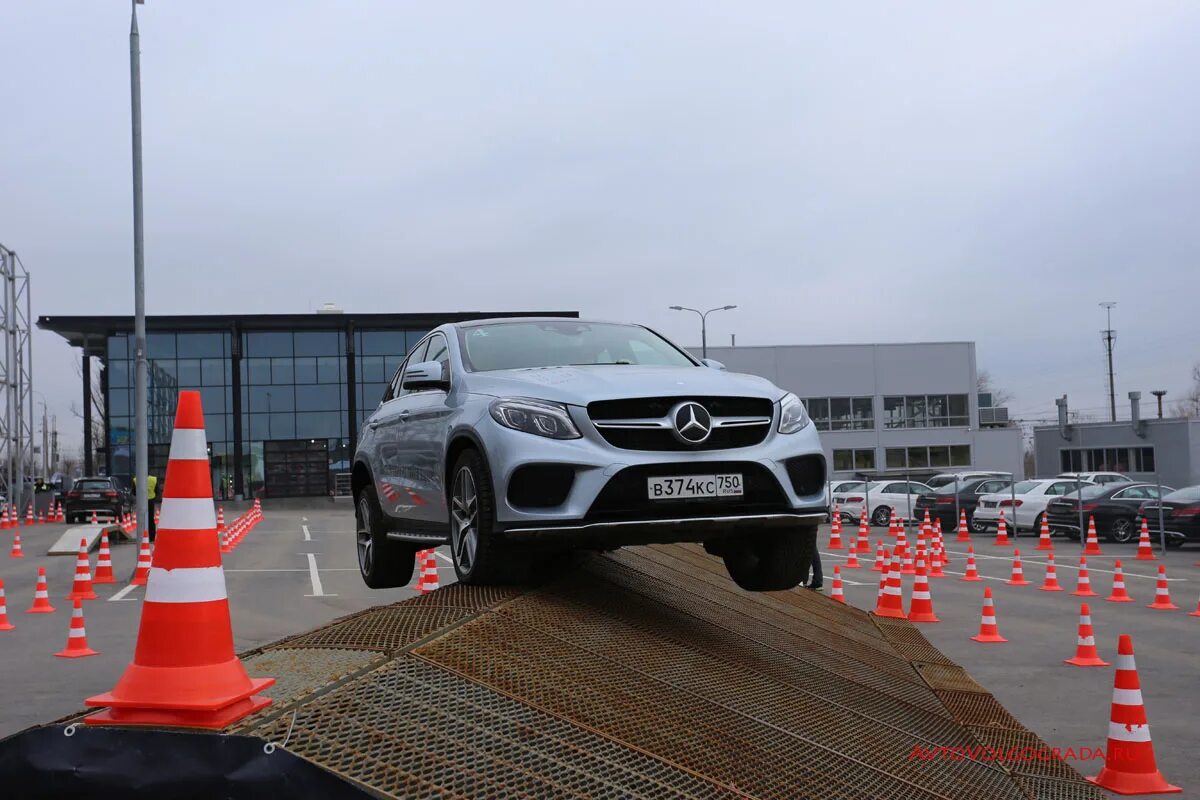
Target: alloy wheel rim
[[363, 535], [881, 517], [1121, 530], [464, 516]]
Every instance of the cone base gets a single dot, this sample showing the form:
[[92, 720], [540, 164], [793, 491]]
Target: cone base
[[47, 609], [931, 617], [837, 546], [1089, 661], [103, 580], [77, 653], [1140, 557], [1039, 547], [1001, 544], [1133, 782], [1122, 599], [16, 555], [895, 613], [1090, 552], [178, 718], [139, 580], [851, 566], [1164, 606], [206, 687], [7, 626], [962, 539], [88, 595], [1195, 613], [970, 578], [1088, 593], [985, 638], [1054, 587], [837, 598], [1021, 582]]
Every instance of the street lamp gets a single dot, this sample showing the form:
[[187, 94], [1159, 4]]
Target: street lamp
[[140, 433], [703, 323]]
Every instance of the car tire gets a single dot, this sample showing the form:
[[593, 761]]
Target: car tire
[[480, 557], [772, 561], [383, 563], [1037, 524], [1175, 544], [1122, 531], [977, 527], [881, 516]]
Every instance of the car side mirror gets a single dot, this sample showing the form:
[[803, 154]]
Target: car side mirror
[[426, 375], [713, 363]]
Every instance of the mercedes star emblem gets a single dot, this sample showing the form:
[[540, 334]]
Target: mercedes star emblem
[[692, 421]]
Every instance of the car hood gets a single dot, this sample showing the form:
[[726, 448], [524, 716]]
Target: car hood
[[585, 384]]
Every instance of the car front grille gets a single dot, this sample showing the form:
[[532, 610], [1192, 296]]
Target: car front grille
[[625, 496], [644, 423]]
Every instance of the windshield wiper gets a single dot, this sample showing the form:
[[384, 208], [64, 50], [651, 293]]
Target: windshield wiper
[[618, 362]]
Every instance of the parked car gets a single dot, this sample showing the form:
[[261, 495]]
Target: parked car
[[947, 478], [1115, 507], [1031, 500], [105, 496], [508, 437], [842, 487], [881, 498], [1097, 477], [944, 504], [1181, 516]]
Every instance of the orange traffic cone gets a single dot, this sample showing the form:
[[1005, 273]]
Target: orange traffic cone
[[29, 515], [1119, 595], [935, 560], [104, 570], [16, 551], [96, 521], [141, 572], [1085, 643], [1044, 541], [1083, 584], [5, 625], [836, 594], [1145, 551], [82, 589], [1093, 543], [891, 602], [882, 587], [1129, 765], [835, 533], [1002, 532], [220, 519], [906, 563], [852, 559], [880, 557], [964, 535], [893, 525], [988, 630], [1162, 595], [4, 523], [970, 574], [920, 608], [77, 646], [184, 671], [1195, 613], [429, 572], [1018, 574], [864, 535], [41, 597], [1050, 584]]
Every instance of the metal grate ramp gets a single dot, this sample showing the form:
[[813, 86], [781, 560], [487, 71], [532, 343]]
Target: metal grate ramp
[[641, 674]]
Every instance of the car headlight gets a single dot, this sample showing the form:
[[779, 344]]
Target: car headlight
[[792, 414], [539, 417]]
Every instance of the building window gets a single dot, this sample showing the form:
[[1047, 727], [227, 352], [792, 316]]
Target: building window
[[928, 457], [841, 413], [926, 411], [856, 459], [1107, 459]]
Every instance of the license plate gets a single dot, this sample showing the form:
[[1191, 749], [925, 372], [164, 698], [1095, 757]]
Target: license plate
[[689, 487], [987, 504], [91, 496]]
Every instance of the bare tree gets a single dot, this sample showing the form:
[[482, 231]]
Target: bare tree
[[983, 383], [1189, 406], [98, 409]]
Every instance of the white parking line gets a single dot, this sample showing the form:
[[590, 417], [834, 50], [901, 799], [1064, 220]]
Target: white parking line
[[121, 594], [307, 535], [445, 558], [315, 577]]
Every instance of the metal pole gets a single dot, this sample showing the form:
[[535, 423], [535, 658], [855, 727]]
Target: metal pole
[[1108, 344], [908, 498], [141, 452], [9, 385], [1012, 485], [45, 443], [17, 487], [704, 335], [1162, 528], [957, 503]]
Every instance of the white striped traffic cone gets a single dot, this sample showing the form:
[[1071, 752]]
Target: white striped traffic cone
[[1162, 594], [836, 592], [971, 574], [1093, 542], [1018, 574], [1044, 541], [5, 625], [1145, 551], [1085, 642], [1119, 595], [1050, 584], [989, 631], [141, 572], [1083, 583], [82, 588], [77, 644], [104, 570], [16, 551]]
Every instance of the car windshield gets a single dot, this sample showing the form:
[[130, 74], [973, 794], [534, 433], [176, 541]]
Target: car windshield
[[562, 343], [849, 487], [1024, 487], [93, 486], [1188, 494]]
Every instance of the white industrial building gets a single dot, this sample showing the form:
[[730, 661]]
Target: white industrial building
[[890, 408]]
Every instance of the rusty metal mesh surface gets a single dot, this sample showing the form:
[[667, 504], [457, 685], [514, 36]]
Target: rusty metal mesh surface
[[1025, 745], [643, 674], [301, 671]]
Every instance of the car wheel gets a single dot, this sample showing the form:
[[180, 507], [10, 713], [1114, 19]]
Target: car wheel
[[881, 516], [1174, 544], [1122, 530], [383, 563], [1037, 523], [479, 557], [771, 561], [976, 527]]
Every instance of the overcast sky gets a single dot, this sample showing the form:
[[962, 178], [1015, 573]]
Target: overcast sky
[[843, 172]]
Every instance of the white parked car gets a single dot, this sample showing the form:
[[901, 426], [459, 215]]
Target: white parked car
[[881, 498], [1097, 477], [1031, 499], [833, 488]]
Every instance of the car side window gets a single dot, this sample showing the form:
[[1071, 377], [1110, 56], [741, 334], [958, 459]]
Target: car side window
[[1060, 489], [894, 488]]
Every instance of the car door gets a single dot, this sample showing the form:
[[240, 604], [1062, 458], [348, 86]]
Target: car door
[[425, 434], [385, 433], [1126, 502]]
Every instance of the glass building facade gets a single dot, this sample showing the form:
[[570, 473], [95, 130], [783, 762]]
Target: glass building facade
[[283, 396]]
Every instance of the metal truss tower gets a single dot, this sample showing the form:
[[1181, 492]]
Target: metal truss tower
[[16, 375]]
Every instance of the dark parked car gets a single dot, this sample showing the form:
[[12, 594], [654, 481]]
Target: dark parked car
[[1181, 515], [941, 504], [1115, 507], [105, 496]]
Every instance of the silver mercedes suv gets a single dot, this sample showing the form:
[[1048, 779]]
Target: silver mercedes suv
[[513, 438]]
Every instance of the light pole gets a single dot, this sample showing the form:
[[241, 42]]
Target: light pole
[[141, 454], [703, 323]]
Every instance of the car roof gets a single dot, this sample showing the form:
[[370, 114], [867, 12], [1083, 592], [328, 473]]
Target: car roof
[[475, 323]]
